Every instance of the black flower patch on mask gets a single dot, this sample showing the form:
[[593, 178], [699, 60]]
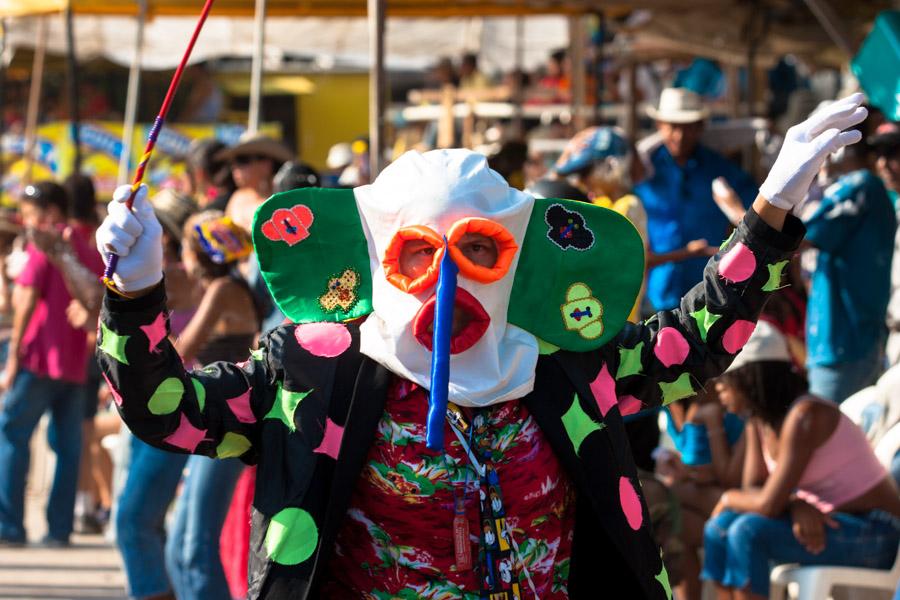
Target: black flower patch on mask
[[567, 228]]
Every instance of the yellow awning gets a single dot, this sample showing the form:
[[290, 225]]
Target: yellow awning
[[238, 84]]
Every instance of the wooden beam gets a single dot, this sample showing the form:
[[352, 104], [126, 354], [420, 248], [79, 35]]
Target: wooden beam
[[34, 97], [631, 112], [131, 97], [377, 85], [577, 40], [256, 68], [72, 90]]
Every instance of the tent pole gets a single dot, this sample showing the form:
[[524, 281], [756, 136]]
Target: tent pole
[[3, 33], [34, 97], [576, 59], [72, 84], [631, 116], [131, 100], [518, 89], [597, 68], [256, 71], [377, 84]]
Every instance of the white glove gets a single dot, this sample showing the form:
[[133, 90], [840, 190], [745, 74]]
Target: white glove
[[136, 236], [806, 145]]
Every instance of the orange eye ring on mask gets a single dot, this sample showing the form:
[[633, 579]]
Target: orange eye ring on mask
[[391, 262], [506, 249]]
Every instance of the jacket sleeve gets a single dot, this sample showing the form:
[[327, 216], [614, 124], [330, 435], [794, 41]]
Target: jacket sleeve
[[671, 355], [214, 411]]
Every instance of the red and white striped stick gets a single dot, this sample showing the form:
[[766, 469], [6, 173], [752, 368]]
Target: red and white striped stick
[[154, 134]]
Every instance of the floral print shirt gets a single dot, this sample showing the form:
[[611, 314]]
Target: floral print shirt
[[381, 553]]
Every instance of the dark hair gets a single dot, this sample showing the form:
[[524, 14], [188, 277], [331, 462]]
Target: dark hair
[[769, 386], [295, 175], [82, 198], [470, 58], [201, 155], [510, 158], [862, 149], [46, 194]]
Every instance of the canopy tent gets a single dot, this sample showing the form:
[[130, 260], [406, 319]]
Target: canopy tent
[[733, 31], [719, 29], [332, 8], [410, 43]]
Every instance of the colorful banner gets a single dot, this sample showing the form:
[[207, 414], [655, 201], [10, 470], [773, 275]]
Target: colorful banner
[[101, 147]]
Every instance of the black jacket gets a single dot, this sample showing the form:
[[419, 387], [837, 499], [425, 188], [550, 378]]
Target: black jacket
[[272, 411]]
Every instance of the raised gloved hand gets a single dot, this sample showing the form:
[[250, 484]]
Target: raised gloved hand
[[806, 145], [136, 236]]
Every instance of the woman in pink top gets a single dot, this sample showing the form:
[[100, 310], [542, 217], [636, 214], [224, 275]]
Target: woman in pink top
[[813, 491]]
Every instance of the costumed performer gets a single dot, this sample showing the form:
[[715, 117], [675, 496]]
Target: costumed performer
[[525, 488]]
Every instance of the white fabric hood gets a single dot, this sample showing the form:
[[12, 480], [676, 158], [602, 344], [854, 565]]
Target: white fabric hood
[[436, 190]]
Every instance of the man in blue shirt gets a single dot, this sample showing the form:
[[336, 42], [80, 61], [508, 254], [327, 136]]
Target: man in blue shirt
[[886, 144], [853, 229], [678, 195]]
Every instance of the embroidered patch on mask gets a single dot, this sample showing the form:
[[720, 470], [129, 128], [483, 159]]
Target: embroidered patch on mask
[[289, 225], [567, 228], [341, 292], [582, 312]]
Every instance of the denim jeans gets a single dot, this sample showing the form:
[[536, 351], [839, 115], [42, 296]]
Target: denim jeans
[[895, 468], [153, 476], [840, 381], [192, 550], [23, 405], [740, 549]]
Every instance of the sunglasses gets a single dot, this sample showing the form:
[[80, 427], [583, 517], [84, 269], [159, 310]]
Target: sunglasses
[[246, 159]]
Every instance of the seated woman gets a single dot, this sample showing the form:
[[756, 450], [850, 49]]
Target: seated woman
[[814, 492], [710, 445], [224, 328]]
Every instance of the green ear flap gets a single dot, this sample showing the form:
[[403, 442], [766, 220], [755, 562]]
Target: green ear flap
[[579, 273], [313, 255]]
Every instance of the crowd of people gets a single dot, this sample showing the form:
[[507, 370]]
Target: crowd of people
[[763, 466]]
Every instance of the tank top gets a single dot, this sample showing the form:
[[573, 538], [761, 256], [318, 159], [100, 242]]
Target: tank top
[[231, 347], [842, 469]]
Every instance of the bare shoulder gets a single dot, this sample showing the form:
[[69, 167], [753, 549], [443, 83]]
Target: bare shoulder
[[227, 290], [709, 413], [812, 420]]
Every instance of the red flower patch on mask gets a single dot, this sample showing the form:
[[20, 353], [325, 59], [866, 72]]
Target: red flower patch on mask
[[289, 225]]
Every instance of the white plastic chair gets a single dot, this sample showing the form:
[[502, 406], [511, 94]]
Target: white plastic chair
[[854, 405], [816, 583], [888, 446]]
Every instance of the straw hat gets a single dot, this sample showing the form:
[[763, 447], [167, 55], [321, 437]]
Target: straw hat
[[257, 144], [679, 105], [173, 209], [339, 156]]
